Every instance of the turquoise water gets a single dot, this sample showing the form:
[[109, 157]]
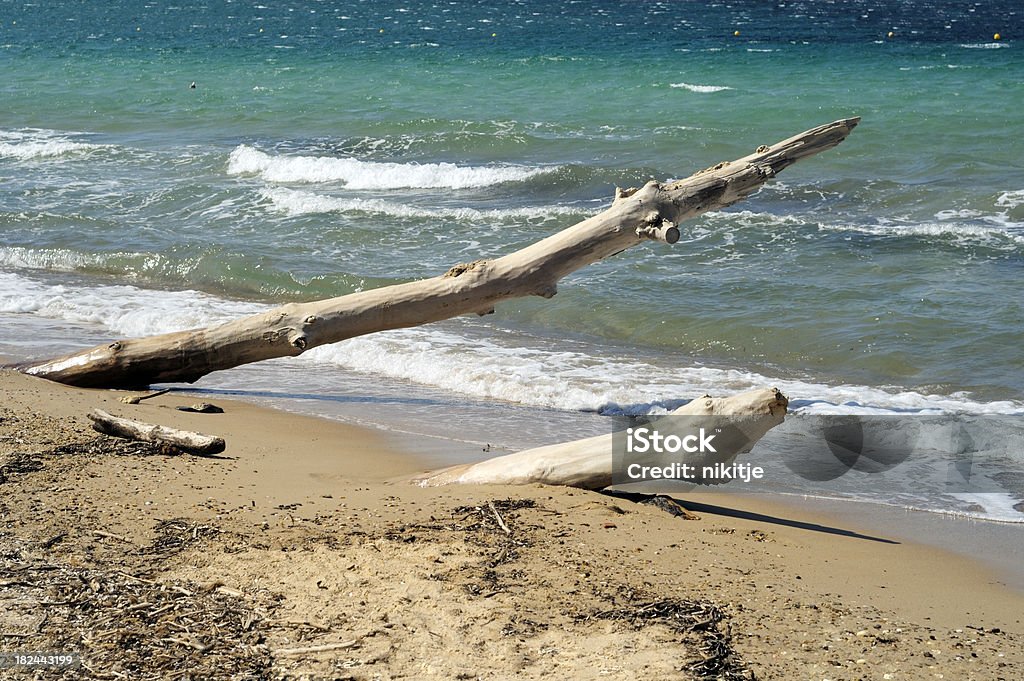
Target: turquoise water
[[330, 147]]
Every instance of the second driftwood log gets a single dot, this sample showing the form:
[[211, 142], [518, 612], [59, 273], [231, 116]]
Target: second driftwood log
[[588, 464]]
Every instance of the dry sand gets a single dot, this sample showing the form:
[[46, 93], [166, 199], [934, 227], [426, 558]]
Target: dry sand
[[303, 554]]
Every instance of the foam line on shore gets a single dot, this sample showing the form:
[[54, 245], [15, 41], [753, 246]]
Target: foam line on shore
[[521, 370]]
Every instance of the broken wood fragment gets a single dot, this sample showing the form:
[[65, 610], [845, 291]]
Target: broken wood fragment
[[325, 648], [135, 399], [497, 516], [111, 535]]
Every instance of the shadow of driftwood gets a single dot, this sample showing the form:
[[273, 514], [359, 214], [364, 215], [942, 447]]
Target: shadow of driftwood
[[725, 511]]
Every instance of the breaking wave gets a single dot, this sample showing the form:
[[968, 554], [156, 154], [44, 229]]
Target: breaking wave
[[35, 144], [356, 174], [293, 203], [700, 88]]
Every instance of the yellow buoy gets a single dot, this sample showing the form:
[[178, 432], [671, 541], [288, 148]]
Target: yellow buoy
[[494, 35], [891, 34], [736, 33], [996, 37]]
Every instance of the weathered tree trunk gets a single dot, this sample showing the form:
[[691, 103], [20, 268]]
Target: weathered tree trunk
[[651, 212], [588, 463]]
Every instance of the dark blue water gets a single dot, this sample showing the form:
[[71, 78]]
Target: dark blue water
[[462, 28]]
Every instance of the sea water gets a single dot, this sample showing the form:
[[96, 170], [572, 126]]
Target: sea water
[[330, 147]]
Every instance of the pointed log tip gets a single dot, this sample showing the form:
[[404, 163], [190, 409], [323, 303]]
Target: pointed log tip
[[848, 123]]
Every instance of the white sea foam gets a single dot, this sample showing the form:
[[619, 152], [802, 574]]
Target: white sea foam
[[35, 144], [123, 310], [994, 506], [990, 506], [529, 372], [1005, 225], [700, 88], [356, 174], [963, 233], [749, 218], [1011, 200], [983, 46], [961, 214], [293, 202], [582, 381]]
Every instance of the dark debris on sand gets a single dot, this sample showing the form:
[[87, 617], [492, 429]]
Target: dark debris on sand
[[58, 596], [125, 626], [698, 624], [21, 462], [176, 534]]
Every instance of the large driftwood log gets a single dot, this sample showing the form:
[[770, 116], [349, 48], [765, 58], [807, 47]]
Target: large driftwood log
[[649, 213], [183, 440], [587, 463]]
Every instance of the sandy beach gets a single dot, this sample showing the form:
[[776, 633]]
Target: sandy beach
[[303, 553]]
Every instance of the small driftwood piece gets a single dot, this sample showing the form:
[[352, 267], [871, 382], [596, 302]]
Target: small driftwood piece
[[325, 648], [497, 516], [183, 440], [135, 399], [111, 535]]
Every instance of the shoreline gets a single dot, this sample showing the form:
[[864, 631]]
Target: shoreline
[[992, 543], [313, 515]]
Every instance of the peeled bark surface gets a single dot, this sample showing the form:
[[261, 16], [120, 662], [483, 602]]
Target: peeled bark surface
[[587, 463], [636, 215]]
